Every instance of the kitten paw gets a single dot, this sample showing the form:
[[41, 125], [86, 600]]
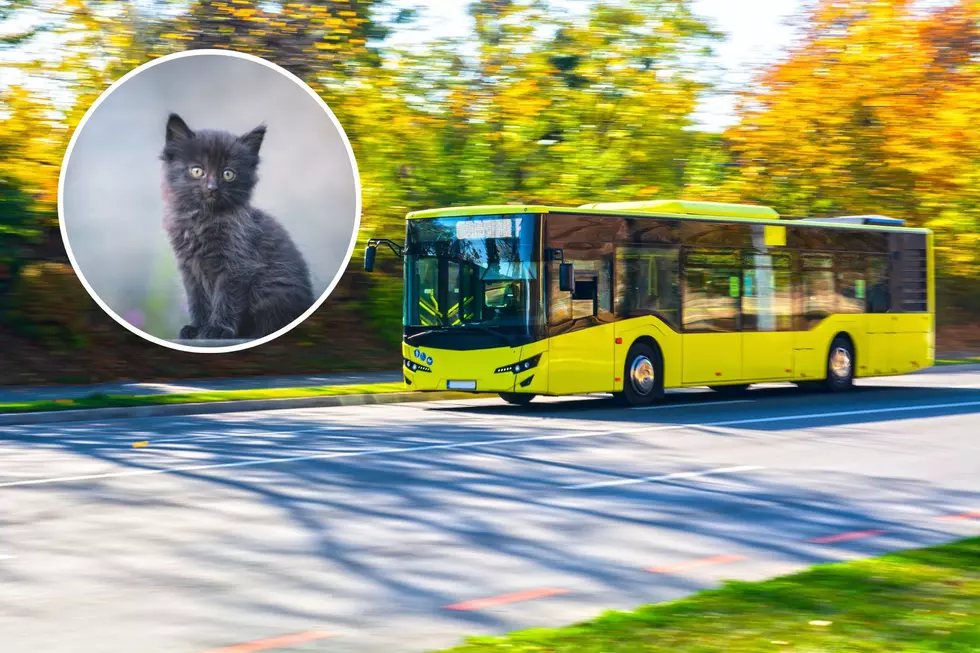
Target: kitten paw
[[188, 332], [216, 333]]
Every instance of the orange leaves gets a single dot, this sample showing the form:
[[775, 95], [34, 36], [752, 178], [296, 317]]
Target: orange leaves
[[877, 111]]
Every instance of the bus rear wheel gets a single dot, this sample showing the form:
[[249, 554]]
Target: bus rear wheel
[[517, 398], [840, 365], [643, 376]]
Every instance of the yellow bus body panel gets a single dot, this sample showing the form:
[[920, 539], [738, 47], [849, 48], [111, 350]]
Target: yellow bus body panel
[[582, 361], [593, 360]]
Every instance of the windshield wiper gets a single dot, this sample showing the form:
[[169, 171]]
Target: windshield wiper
[[443, 329]]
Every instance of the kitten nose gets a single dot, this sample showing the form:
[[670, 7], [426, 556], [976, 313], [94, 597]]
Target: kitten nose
[[212, 185]]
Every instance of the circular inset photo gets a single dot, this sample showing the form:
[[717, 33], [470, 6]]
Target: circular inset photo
[[209, 201]]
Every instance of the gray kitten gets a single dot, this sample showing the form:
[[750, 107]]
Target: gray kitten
[[243, 275]]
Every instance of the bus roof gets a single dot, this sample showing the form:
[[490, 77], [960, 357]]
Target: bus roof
[[676, 209]]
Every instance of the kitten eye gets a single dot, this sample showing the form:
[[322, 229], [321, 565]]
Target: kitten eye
[[228, 174], [197, 172]]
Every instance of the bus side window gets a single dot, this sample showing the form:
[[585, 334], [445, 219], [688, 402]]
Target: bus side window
[[648, 283], [819, 296], [879, 295], [711, 301]]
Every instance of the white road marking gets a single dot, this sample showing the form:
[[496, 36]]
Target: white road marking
[[486, 443], [664, 477]]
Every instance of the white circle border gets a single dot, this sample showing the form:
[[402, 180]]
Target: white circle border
[[330, 287]]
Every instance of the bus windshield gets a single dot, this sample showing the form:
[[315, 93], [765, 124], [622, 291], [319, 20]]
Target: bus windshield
[[475, 277]]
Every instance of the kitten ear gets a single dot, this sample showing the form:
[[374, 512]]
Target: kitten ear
[[177, 129], [253, 139]]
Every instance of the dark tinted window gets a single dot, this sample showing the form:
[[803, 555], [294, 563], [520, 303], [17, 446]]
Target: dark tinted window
[[587, 243], [805, 238], [818, 261], [879, 289], [851, 283], [715, 234], [837, 240], [711, 298], [767, 293], [647, 231], [594, 273], [852, 292], [818, 296], [717, 258], [648, 283]]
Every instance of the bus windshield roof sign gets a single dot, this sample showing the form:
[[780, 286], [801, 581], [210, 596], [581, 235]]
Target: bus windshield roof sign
[[480, 229]]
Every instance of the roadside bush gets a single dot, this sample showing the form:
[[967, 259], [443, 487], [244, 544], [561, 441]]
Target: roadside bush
[[48, 304]]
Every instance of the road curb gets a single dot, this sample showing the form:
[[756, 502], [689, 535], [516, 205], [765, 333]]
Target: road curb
[[327, 401], [216, 407]]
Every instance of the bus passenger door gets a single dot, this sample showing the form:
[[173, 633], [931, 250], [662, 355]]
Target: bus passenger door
[[880, 323], [581, 348], [767, 319], [712, 343]]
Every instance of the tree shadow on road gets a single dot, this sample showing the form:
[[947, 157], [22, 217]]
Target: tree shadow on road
[[262, 523]]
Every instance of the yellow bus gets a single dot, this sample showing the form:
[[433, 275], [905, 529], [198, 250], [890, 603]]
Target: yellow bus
[[635, 298]]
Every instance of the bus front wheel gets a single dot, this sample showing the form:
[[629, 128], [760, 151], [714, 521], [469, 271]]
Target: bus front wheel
[[643, 376], [517, 398]]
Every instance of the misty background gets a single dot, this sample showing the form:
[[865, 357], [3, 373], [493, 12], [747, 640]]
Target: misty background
[[112, 204]]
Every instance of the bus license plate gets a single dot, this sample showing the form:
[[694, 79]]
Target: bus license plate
[[461, 385]]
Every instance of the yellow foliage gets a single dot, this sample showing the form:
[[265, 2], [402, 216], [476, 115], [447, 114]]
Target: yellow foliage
[[875, 111]]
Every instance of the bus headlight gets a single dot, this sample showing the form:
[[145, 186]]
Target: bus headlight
[[522, 366], [415, 367]]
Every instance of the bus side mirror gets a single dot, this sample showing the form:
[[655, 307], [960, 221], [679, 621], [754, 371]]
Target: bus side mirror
[[566, 277], [370, 252]]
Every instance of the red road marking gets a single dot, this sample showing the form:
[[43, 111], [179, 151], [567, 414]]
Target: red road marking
[[845, 537], [696, 564], [962, 516], [529, 595], [275, 642]]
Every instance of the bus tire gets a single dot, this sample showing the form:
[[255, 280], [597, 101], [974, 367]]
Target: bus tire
[[840, 365], [643, 376], [517, 398]]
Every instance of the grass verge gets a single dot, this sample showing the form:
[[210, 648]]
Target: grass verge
[[98, 400], [957, 361], [923, 600]]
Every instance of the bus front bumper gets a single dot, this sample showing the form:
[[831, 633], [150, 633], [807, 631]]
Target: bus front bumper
[[505, 369]]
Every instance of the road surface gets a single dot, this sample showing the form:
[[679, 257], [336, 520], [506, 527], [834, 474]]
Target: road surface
[[403, 528]]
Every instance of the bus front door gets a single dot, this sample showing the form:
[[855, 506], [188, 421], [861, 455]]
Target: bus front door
[[581, 352]]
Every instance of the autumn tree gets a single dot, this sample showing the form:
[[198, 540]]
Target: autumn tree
[[875, 111], [307, 38]]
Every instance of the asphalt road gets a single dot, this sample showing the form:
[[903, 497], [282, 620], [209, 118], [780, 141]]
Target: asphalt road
[[402, 528]]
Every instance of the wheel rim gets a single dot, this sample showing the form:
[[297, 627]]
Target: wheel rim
[[840, 363], [642, 375]]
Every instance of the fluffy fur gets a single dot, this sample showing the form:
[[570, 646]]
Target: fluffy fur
[[243, 275]]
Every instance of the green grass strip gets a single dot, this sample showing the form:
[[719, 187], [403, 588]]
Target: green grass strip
[[917, 601], [957, 361], [98, 400]]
